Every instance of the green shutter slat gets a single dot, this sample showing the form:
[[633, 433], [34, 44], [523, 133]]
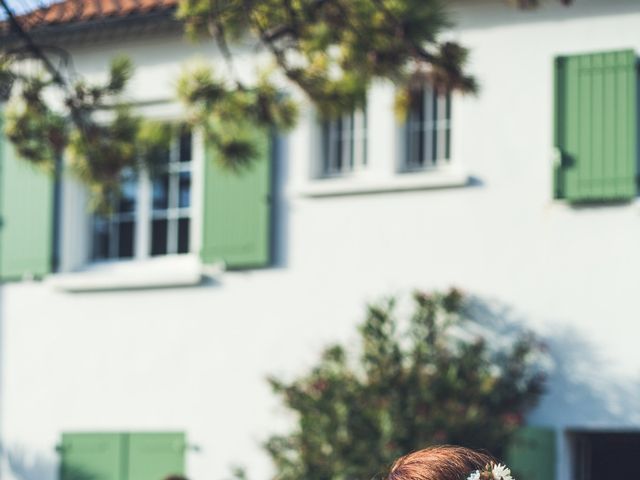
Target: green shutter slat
[[91, 456], [155, 456], [237, 211], [595, 126], [532, 454], [26, 215]]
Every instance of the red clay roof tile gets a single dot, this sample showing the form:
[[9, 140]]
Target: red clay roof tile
[[78, 11]]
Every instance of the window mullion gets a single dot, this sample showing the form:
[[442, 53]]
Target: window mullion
[[174, 185], [172, 222], [334, 144], [447, 146], [442, 132], [196, 207], [429, 126], [357, 139], [346, 133], [410, 133], [421, 128], [143, 217], [115, 237]]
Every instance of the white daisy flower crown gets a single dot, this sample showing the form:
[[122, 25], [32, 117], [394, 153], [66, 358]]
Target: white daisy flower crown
[[493, 471]]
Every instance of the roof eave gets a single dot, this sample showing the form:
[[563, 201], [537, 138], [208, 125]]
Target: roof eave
[[134, 25]]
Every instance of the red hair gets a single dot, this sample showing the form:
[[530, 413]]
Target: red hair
[[445, 462]]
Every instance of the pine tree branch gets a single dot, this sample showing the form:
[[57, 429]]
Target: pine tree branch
[[33, 47], [418, 50]]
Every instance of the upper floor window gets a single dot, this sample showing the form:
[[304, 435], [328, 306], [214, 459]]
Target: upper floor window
[[344, 144], [428, 129], [152, 216], [199, 197], [114, 234], [171, 205]]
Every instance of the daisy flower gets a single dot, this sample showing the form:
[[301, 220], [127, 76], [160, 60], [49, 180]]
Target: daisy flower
[[501, 472], [474, 476]]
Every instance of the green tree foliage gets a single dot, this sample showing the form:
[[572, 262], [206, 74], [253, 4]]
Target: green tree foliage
[[231, 112], [333, 49], [99, 151], [432, 382], [330, 51]]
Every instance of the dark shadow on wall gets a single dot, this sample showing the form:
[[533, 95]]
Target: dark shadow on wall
[[583, 389]]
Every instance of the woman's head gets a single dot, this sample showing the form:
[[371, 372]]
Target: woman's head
[[444, 462]]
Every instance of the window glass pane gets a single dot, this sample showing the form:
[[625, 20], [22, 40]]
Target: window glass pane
[[339, 136], [113, 236], [344, 143], [127, 200], [100, 239], [434, 126], [125, 239], [159, 157], [159, 237], [416, 131], [428, 128], [185, 146], [326, 147], [161, 192], [183, 235], [348, 139], [184, 197]]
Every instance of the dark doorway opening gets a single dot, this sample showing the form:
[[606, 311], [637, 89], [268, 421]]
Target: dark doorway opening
[[606, 455]]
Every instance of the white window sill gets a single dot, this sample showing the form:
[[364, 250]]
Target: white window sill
[[354, 185], [159, 272]]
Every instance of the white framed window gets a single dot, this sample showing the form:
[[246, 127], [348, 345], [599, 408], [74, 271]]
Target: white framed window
[[343, 144], [113, 235], [153, 215], [428, 130], [171, 200]]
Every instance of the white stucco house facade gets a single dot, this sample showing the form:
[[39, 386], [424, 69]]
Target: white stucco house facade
[[523, 196]]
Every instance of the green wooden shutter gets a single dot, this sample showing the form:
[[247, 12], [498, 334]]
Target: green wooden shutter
[[154, 456], [596, 126], [532, 454], [237, 211], [92, 456], [26, 215]]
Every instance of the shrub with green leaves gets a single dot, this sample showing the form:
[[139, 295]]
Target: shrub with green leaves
[[437, 377]]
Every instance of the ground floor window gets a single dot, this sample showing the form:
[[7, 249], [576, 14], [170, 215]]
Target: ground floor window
[[605, 455]]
